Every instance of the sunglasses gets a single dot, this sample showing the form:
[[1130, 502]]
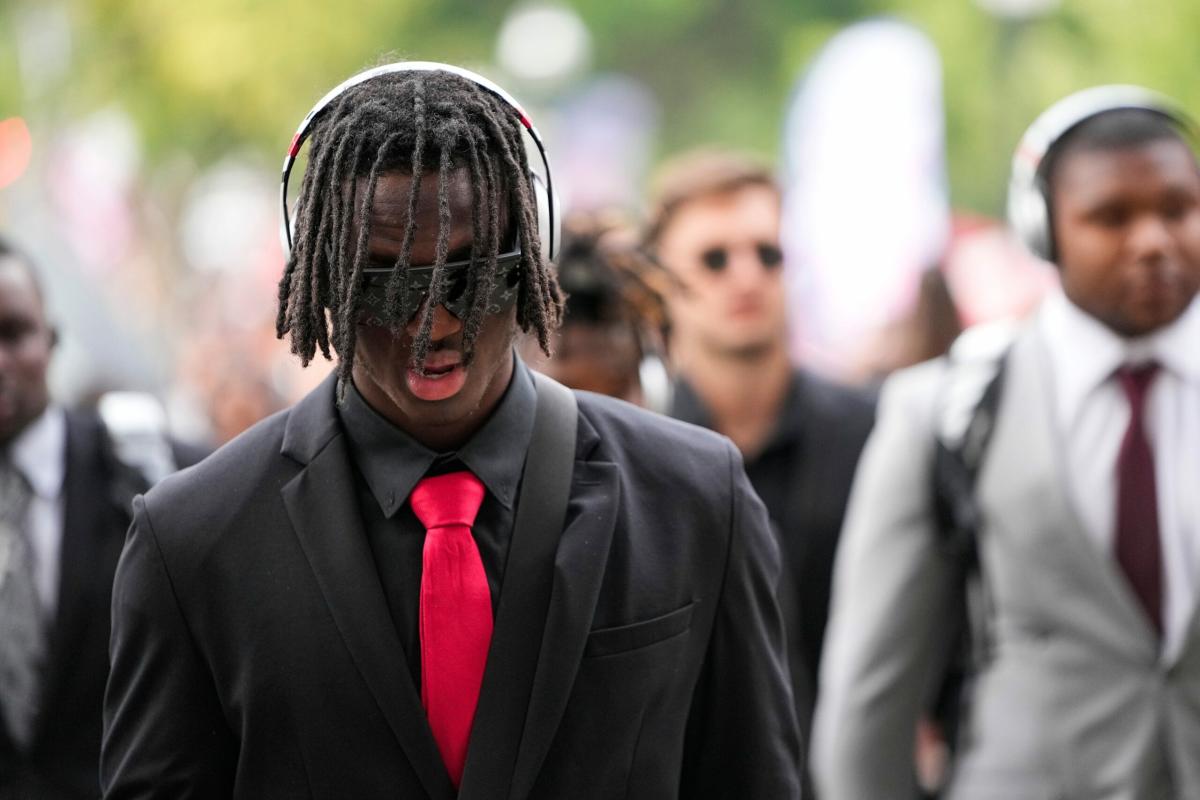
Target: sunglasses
[[415, 283], [716, 259]]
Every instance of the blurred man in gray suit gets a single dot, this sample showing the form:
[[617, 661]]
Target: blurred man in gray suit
[[1088, 541]]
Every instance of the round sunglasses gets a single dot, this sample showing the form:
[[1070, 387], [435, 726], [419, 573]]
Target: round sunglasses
[[716, 259]]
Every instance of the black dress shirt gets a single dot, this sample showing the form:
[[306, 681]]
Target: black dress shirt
[[803, 475], [389, 463]]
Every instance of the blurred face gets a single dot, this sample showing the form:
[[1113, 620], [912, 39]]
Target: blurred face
[[1127, 230], [442, 402], [25, 345], [725, 251]]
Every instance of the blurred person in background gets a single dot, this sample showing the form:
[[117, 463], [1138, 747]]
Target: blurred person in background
[[613, 336], [64, 508], [346, 600], [714, 226], [1070, 530]]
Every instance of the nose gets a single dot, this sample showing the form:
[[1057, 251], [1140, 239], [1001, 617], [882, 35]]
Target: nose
[[744, 267], [1150, 239], [444, 323]]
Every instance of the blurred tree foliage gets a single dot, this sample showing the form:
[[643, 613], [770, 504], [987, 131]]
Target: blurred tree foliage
[[219, 75]]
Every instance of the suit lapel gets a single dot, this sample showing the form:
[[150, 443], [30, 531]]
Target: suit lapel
[[322, 505], [578, 573], [519, 712], [90, 516], [1030, 450]]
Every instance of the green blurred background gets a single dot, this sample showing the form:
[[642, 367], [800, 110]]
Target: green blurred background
[[140, 139], [212, 76]]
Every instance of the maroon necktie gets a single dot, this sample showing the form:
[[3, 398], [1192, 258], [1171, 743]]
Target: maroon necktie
[[1138, 545], [455, 612]]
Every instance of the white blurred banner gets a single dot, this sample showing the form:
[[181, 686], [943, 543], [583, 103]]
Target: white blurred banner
[[866, 207]]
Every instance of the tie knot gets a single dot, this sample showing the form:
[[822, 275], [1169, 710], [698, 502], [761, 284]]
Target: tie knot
[[450, 499], [1136, 380]]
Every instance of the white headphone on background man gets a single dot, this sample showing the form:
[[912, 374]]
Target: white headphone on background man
[[1028, 199], [549, 224]]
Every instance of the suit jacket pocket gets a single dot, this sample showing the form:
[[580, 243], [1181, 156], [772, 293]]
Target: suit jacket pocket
[[636, 635]]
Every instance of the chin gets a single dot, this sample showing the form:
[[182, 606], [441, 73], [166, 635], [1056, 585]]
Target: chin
[[1150, 314]]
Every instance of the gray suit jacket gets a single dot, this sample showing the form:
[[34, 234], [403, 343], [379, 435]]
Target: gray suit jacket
[[1075, 701]]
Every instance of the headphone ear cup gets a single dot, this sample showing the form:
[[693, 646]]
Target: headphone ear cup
[[548, 217], [1030, 217], [655, 380]]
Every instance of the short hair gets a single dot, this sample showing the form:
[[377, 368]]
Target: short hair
[[13, 253], [410, 122], [1115, 129], [699, 174]]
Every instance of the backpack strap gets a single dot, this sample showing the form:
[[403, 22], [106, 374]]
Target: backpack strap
[[968, 400], [967, 403]]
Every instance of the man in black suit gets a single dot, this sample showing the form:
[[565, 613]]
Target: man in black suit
[[64, 510], [715, 226], [276, 633]]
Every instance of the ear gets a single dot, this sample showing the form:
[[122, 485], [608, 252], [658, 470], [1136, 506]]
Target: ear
[[53, 332]]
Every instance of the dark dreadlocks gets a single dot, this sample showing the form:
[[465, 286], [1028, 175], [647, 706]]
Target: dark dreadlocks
[[411, 122]]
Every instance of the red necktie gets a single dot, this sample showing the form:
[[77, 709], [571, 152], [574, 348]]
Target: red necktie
[[1138, 546], [456, 611]]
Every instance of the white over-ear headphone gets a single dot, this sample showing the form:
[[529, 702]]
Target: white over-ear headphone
[[1028, 199], [549, 223]]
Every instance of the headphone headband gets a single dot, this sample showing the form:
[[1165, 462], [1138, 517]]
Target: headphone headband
[[1028, 203], [548, 215]]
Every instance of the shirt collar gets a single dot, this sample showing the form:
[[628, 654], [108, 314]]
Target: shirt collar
[[392, 462], [687, 406], [38, 453], [1084, 352]]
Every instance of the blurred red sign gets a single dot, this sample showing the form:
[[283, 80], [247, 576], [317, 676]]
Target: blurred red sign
[[16, 146]]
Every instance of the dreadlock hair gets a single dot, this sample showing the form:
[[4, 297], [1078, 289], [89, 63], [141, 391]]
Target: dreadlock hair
[[410, 122]]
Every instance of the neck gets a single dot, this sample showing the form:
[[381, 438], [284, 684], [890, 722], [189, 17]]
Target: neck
[[744, 392]]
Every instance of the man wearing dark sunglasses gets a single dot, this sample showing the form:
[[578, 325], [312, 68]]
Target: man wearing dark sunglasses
[[715, 225], [408, 585]]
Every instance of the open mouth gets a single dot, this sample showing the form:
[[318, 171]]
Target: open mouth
[[433, 372], [438, 379]]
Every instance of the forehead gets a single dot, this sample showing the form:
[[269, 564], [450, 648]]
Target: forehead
[[749, 211], [1095, 174], [389, 213]]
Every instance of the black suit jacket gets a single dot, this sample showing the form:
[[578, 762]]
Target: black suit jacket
[[253, 655], [63, 763], [804, 475]]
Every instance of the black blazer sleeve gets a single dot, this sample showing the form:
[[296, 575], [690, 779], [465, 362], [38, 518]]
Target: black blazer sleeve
[[164, 733], [742, 739]]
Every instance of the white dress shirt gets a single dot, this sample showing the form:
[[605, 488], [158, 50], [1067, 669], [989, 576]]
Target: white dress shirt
[[1092, 414], [39, 452]]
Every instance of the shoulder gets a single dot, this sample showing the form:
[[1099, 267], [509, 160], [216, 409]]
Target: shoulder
[[644, 443], [623, 425], [200, 500], [913, 391], [86, 438]]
